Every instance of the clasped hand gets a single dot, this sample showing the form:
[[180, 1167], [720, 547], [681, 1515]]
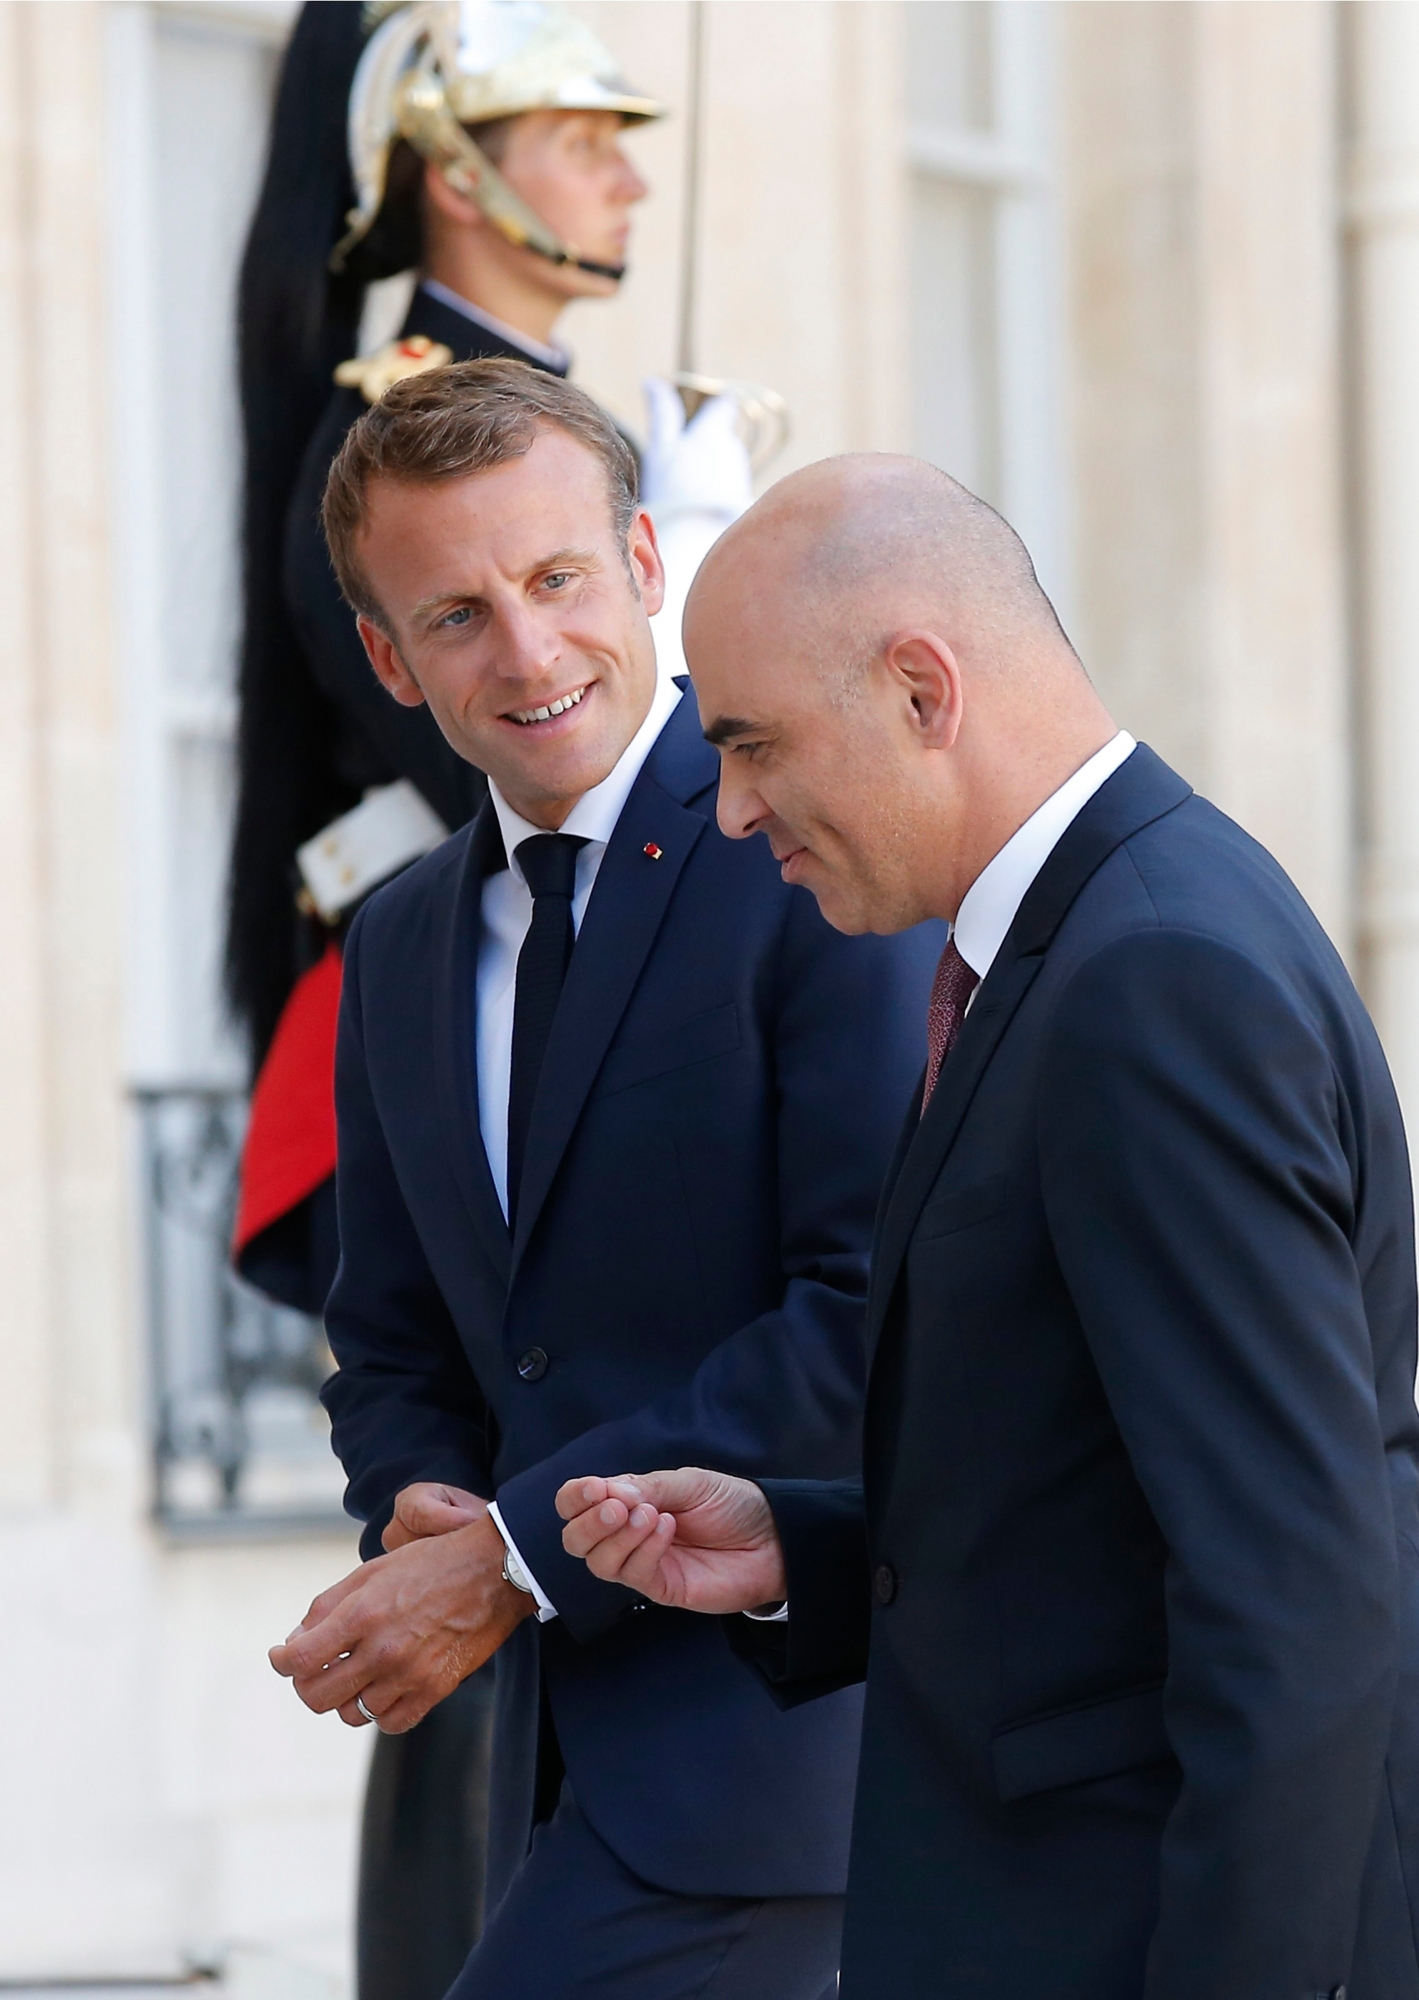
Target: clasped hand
[[695, 1540], [402, 1631]]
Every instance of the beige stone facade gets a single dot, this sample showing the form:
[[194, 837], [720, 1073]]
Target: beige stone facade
[[1146, 273], [1204, 264]]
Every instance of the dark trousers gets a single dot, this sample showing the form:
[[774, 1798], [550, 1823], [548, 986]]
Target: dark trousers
[[576, 1924], [423, 1846]]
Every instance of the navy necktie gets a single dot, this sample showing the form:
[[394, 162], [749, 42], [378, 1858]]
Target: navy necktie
[[548, 864]]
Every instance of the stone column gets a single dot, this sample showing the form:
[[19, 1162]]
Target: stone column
[[68, 1424], [1204, 268], [25, 1152], [1383, 213]]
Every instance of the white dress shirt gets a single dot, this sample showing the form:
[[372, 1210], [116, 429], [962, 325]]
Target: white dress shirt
[[507, 918], [989, 906]]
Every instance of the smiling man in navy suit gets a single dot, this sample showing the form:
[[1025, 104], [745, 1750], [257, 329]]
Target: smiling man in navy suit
[[614, 1107]]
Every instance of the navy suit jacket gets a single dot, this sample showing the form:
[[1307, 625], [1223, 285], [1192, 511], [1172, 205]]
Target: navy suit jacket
[[1139, 1564], [686, 1284]]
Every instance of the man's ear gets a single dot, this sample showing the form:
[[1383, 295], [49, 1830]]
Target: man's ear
[[389, 668], [928, 676], [643, 554], [440, 193]]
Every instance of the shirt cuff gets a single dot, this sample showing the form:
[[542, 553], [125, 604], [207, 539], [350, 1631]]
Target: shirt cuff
[[545, 1607], [779, 1617]]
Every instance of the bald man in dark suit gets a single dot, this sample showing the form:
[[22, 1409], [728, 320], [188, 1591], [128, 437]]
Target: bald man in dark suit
[[1133, 1570]]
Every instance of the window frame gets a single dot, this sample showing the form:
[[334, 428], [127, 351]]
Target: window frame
[[1016, 161]]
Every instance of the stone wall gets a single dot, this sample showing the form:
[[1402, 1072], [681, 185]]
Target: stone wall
[[1203, 269], [164, 1793]]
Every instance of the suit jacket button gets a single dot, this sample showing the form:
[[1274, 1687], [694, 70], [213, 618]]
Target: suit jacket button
[[884, 1583], [532, 1366]]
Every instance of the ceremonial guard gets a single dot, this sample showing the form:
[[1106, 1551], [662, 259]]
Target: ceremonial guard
[[477, 146]]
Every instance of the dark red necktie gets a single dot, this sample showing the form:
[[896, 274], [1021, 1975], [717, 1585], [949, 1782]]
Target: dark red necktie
[[950, 990]]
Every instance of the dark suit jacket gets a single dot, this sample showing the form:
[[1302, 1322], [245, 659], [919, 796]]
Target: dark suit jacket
[[686, 1284], [1141, 1545]]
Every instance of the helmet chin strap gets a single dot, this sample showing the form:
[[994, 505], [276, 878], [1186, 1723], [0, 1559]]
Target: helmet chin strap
[[560, 254], [427, 123], [613, 271]]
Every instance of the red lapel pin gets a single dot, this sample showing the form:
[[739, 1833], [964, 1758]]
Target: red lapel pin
[[652, 850]]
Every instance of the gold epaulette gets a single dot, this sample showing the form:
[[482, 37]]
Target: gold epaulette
[[375, 13], [373, 373]]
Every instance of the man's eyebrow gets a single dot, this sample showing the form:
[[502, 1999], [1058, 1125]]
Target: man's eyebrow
[[560, 556], [726, 726], [436, 603], [555, 560]]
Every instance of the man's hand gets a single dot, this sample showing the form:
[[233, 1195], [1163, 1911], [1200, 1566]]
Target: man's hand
[[405, 1629], [431, 1508], [700, 1541]]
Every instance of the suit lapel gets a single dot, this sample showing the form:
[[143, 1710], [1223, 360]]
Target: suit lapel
[[625, 912], [457, 932], [894, 1173], [1000, 995], [1140, 791]]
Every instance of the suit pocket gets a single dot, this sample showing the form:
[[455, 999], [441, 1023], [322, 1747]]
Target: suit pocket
[[961, 1207], [713, 1034], [1075, 1745]]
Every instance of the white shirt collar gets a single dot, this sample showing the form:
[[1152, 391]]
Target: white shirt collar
[[594, 816], [988, 907], [536, 350]]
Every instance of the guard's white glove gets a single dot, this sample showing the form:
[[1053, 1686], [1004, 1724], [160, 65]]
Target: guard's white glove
[[695, 480], [695, 468]]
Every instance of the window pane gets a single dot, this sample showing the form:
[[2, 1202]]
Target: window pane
[[213, 92], [948, 64], [954, 385], [213, 105]]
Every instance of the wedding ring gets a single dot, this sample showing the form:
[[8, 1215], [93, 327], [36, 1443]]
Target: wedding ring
[[360, 1705]]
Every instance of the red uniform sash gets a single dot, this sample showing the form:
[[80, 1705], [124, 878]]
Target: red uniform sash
[[290, 1140]]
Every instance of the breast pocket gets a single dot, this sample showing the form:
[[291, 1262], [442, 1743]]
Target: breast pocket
[[697, 1040]]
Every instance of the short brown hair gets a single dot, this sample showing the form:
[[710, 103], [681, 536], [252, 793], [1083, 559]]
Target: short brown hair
[[448, 423]]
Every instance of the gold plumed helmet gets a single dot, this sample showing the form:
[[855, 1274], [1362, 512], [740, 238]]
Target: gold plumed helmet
[[433, 67]]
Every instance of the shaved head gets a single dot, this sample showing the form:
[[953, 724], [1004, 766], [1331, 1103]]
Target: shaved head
[[863, 544], [871, 645]]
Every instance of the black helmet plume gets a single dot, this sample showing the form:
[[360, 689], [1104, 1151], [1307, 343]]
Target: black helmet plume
[[296, 323]]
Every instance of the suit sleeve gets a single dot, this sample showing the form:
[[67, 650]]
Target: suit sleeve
[[823, 1645], [403, 1403], [784, 1394], [1201, 1203]]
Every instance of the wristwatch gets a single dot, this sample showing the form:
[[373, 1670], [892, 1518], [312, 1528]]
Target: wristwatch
[[515, 1574]]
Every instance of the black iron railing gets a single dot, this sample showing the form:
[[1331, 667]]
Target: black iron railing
[[240, 1441]]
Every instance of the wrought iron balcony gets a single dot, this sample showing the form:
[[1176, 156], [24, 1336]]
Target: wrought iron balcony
[[240, 1441]]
